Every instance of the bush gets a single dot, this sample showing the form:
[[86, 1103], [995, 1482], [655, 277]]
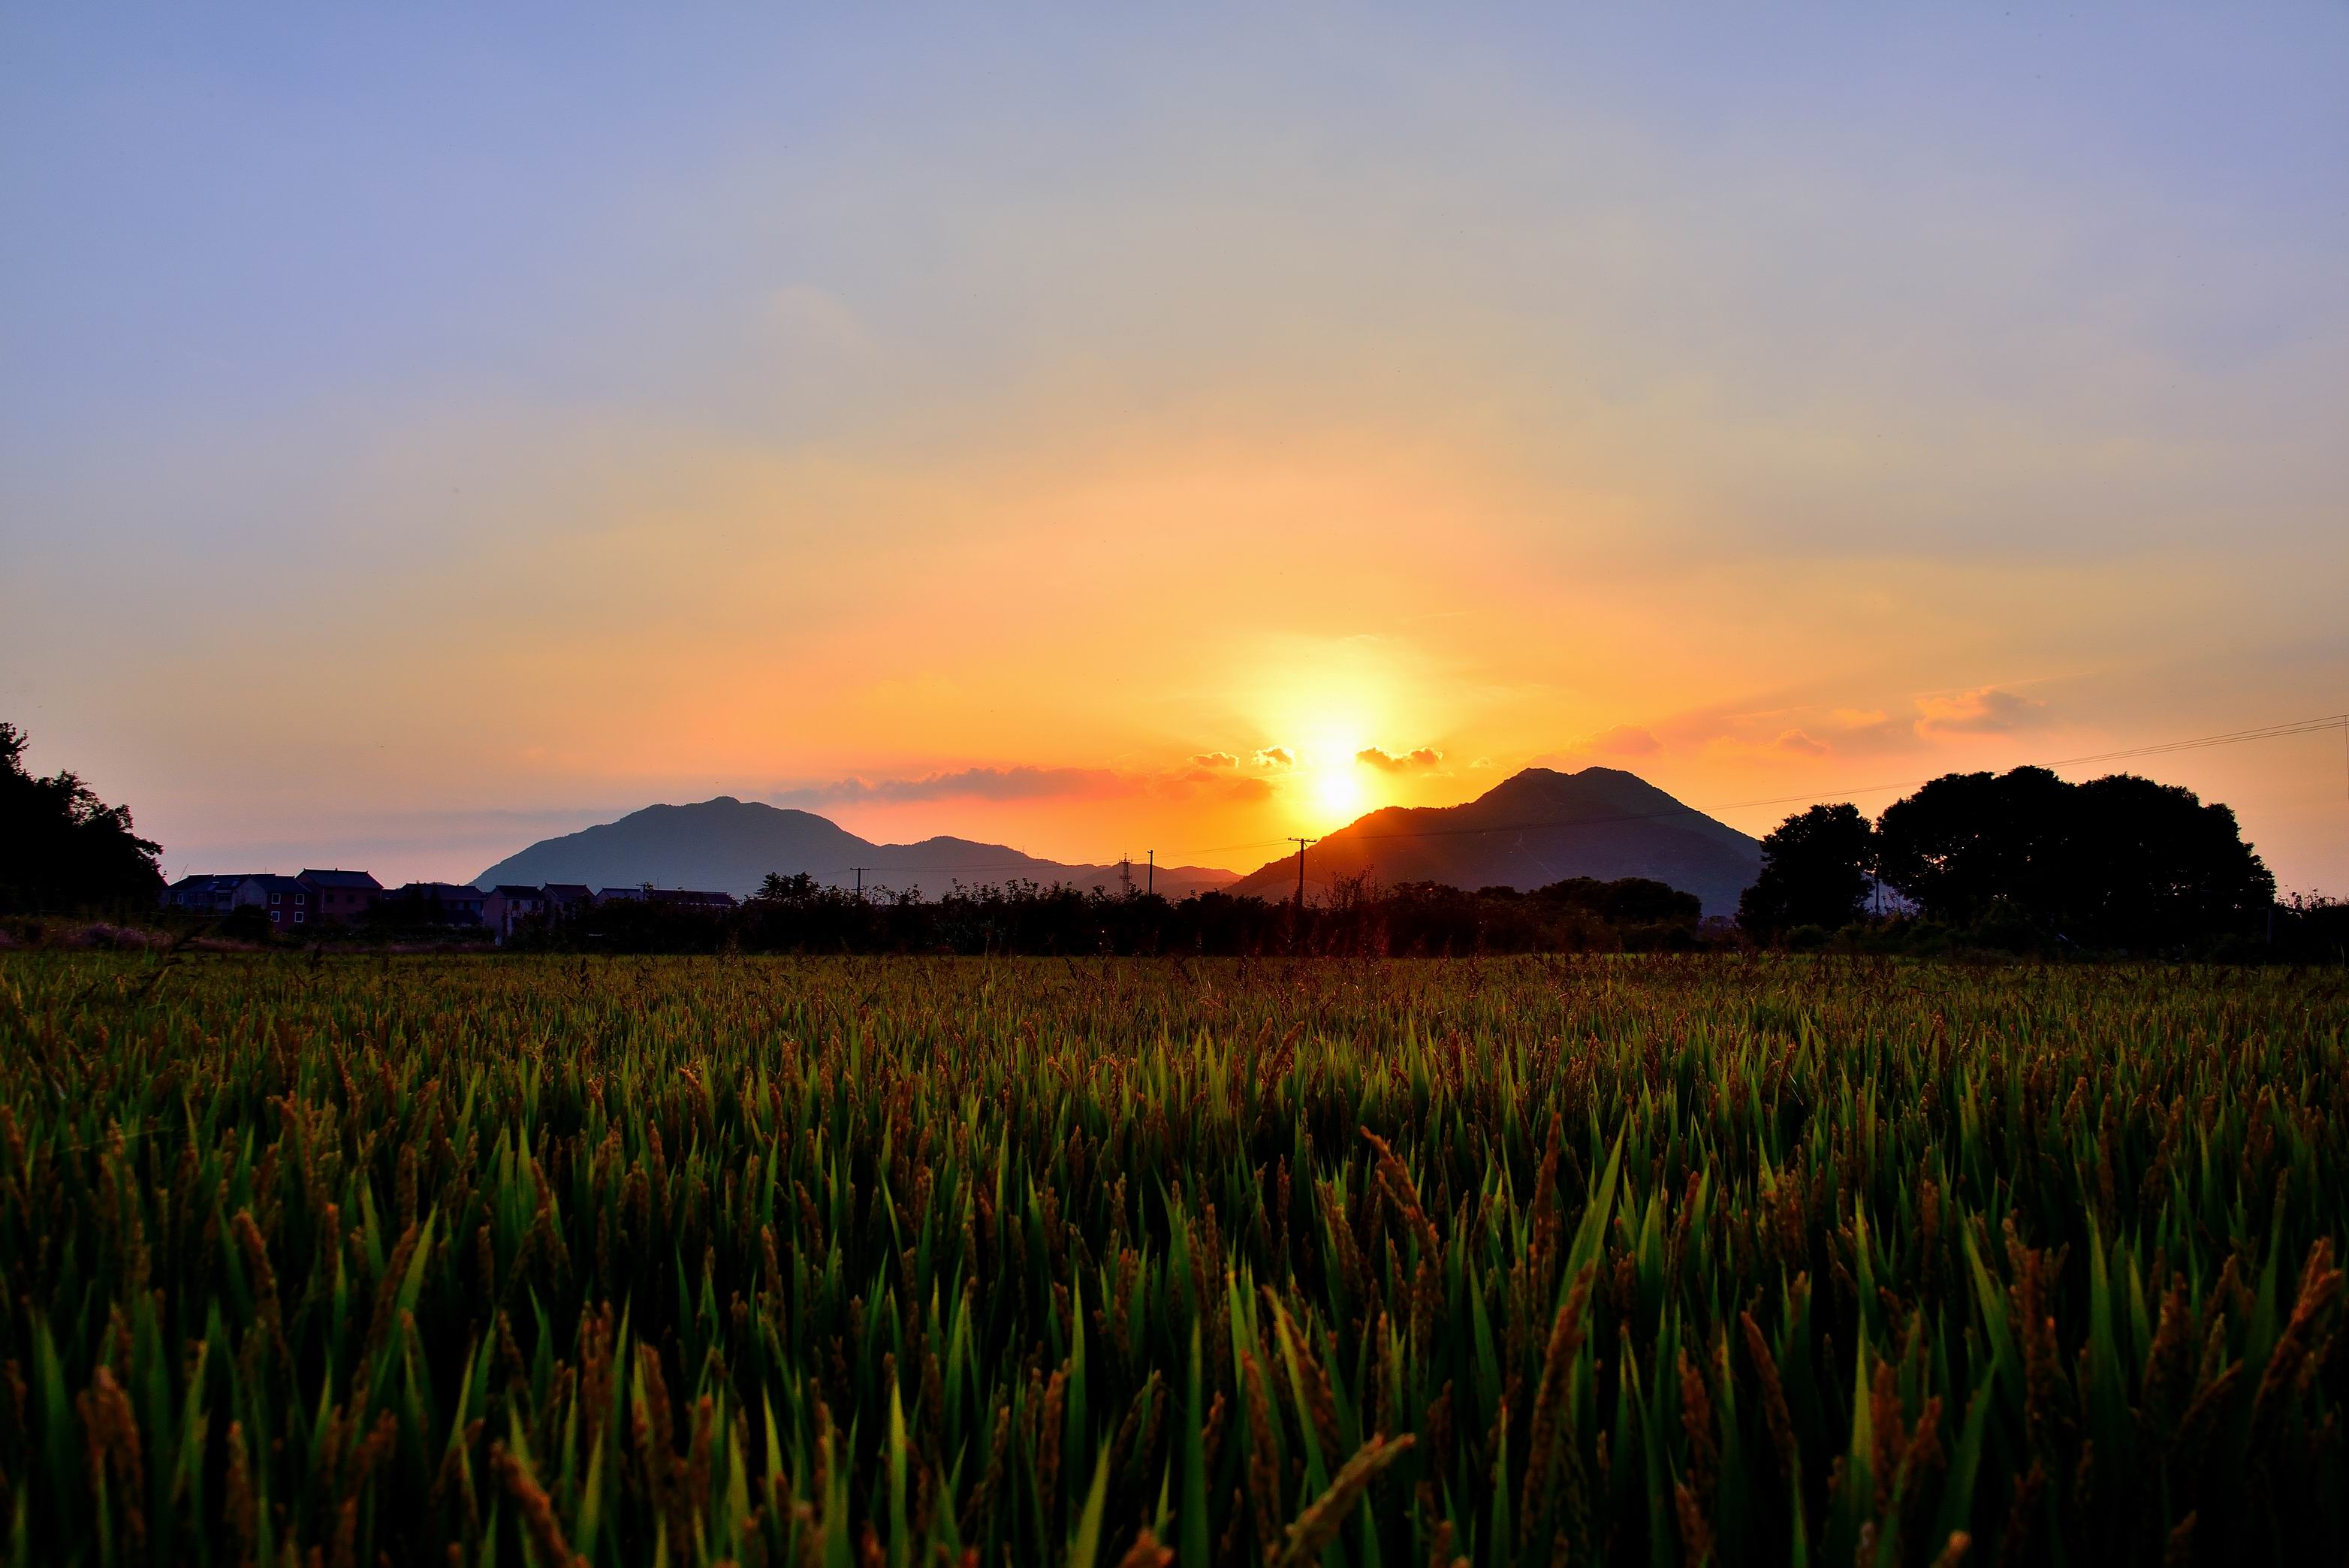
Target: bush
[[245, 922]]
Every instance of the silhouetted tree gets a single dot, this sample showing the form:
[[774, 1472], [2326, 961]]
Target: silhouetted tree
[[2118, 861], [1626, 901], [1966, 841], [1815, 869], [799, 914], [2152, 866], [62, 848]]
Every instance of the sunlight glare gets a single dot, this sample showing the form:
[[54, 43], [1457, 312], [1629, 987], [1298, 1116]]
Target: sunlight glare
[[1338, 793]]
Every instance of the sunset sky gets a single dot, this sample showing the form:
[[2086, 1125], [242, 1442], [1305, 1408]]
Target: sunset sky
[[424, 432]]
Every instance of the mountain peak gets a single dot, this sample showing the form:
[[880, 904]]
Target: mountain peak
[[1535, 826], [729, 845]]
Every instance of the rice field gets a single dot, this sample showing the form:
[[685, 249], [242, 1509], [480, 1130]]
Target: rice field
[[911, 1262]]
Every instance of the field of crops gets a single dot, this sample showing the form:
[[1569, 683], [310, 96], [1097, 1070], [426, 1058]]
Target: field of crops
[[903, 1261]]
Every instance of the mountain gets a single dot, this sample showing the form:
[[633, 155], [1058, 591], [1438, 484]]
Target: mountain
[[1531, 829], [729, 846]]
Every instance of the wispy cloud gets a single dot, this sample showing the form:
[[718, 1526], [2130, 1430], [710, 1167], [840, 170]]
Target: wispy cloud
[[1213, 759], [1984, 710], [1018, 783], [1022, 782], [1622, 740]]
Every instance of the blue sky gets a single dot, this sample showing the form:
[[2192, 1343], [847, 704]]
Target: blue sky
[[529, 415]]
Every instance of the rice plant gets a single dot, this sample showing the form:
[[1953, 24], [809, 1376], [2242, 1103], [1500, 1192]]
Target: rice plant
[[909, 1262]]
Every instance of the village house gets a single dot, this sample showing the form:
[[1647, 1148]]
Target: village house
[[339, 896], [564, 897], [213, 893], [311, 898], [505, 906], [286, 900]]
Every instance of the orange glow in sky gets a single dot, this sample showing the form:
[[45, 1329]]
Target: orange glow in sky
[[1143, 435]]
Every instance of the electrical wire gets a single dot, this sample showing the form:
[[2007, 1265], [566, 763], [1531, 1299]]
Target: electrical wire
[[2232, 738], [1348, 835]]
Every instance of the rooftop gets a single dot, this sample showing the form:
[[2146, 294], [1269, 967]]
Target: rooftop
[[337, 877]]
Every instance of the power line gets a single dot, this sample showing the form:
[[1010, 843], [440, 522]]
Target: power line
[[2235, 737], [2232, 738]]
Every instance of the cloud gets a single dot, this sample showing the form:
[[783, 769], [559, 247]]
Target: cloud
[[1213, 759], [1620, 741], [1623, 741], [1033, 783], [1802, 744], [1399, 762], [1275, 757], [1984, 710], [1021, 783]]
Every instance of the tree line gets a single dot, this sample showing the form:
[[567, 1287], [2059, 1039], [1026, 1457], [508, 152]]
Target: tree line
[[2114, 864], [801, 914], [62, 848], [2019, 862]]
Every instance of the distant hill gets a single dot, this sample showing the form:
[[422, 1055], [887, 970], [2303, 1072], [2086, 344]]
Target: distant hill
[[726, 845], [1536, 828]]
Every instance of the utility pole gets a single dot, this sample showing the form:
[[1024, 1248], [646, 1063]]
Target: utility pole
[[1300, 844], [1150, 875], [860, 871]]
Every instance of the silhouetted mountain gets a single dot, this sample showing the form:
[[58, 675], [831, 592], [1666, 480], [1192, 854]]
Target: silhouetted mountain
[[1534, 829], [727, 845]]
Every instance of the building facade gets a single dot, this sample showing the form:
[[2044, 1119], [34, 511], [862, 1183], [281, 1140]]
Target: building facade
[[506, 906], [287, 901], [340, 897], [208, 894]]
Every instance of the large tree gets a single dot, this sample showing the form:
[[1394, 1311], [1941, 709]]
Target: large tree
[[2118, 861], [62, 848], [1815, 869], [1967, 841], [2153, 866]]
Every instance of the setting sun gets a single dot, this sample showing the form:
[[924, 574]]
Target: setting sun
[[1338, 795]]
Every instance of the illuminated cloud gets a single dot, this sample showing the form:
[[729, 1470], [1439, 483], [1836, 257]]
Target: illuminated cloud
[[1984, 710], [1021, 783], [1801, 743], [1623, 741], [1727, 440], [1399, 762]]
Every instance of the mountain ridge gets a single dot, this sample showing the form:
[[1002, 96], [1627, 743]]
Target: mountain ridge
[[1537, 826], [729, 845]]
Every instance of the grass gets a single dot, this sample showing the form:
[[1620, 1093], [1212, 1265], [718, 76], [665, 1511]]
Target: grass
[[891, 1261]]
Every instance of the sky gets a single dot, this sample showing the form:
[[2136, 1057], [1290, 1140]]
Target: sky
[[1118, 429]]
